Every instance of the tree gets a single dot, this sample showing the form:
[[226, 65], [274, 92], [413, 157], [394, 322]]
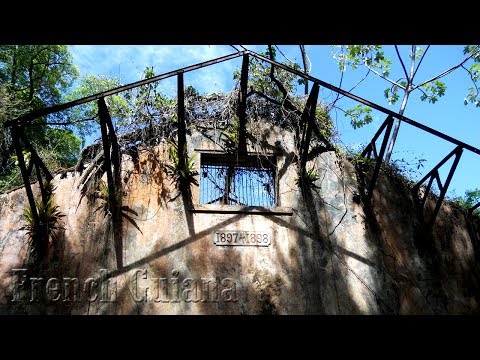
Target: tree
[[33, 77], [37, 74], [80, 118], [372, 57]]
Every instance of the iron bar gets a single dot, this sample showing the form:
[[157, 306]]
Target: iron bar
[[427, 191], [181, 135], [379, 159], [107, 156]]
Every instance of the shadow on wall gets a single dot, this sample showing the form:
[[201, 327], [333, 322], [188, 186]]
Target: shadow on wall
[[338, 258]]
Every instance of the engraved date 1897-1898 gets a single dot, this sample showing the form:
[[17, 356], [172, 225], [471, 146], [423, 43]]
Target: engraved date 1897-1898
[[241, 238]]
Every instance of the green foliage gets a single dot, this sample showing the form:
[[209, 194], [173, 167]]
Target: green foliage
[[61, 147], [37, 74], [179, 172], [351, 56], [433, 91], [470, 199], [325, 123], [191, 92], [89, 85], [473, 95], [363, 161], [372, 57], [33, 77], [391, 93], [148, 105], [359, 115], [399, 171]]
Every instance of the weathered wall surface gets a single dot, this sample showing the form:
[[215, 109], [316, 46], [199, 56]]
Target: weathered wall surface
[[329, 255]]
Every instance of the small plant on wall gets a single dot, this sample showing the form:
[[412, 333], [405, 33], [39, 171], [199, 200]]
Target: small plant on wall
[[103, 193], [181, 172], [232, 135], [307, 179], [44, 230]]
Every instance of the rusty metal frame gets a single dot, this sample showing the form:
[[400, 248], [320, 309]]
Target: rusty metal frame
[[434, 175], [29, 118]]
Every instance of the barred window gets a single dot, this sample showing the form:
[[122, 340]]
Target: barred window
[[237, 180]]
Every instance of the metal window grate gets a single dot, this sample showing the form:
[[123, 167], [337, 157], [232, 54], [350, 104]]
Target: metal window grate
[[225, 180]]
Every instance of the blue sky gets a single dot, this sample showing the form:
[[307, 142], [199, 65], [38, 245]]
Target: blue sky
[[448, 115]]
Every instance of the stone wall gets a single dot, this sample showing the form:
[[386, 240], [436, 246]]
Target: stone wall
[[329, 254]]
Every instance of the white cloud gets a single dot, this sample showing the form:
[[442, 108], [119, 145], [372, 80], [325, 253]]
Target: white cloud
[[129, 61]]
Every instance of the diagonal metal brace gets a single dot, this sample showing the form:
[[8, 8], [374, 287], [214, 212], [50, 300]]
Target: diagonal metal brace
[[473, 208], [371, 148], [434, 175], [36, 158]]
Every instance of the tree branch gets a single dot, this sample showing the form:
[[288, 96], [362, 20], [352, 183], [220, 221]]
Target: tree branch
[[384, 78], [268, 98], [287, 103], [338, 94], [401, 61], [47, 63], [332, 105], [420, 62], [280, 51], [424, 93], [412, 64], [446, 72], [42, 49]]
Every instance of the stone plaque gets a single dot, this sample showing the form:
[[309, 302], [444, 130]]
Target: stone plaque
[[241, 238]]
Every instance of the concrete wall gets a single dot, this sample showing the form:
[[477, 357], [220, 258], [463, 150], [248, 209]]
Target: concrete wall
[[328, 253]]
